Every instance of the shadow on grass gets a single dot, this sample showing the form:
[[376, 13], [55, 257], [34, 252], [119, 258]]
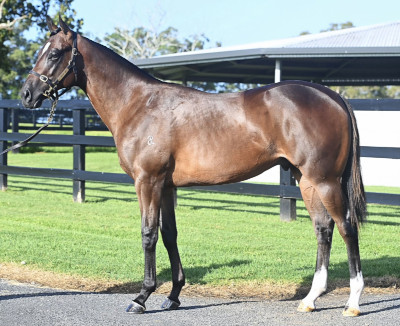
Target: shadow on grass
[[385, 222], [22, 184], [194, 275], [374, 216], [338, 278], [65, 186]]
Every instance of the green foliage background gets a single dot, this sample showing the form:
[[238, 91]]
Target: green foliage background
[[18, 52]]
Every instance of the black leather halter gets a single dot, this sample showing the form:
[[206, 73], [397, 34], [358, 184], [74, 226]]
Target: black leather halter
[[52, 92]]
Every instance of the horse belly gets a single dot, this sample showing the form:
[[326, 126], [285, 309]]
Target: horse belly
[[230, 160]]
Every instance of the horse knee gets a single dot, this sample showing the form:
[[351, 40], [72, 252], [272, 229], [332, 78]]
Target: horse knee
[[149, 238]]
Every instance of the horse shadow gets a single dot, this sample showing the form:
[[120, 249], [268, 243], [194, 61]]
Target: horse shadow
[[6, 297], [194, 275]]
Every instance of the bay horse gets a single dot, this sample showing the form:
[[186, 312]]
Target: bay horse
[[168, 136]]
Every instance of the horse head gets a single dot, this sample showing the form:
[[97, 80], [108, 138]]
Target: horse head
[[56, 59]]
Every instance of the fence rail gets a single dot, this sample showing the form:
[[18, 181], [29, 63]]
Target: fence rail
[[81, 108]]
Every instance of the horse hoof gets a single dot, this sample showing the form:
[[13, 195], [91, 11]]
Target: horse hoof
[[135, 308], [351, 312], [170, 305], [304, 308]]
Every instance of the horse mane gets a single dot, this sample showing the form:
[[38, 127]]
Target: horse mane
[[122, 61]]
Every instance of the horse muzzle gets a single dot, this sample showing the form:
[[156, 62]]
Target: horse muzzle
[[31, 98]]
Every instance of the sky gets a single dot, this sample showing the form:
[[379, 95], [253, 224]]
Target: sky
[[232, 22]]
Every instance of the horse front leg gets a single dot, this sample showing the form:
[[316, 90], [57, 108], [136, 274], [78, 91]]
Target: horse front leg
[[169, 235], [149, 195]]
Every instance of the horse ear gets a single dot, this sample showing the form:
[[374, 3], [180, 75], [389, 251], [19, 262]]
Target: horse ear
[[50, 24], [64, 27]]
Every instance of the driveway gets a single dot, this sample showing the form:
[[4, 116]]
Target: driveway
[[25, 304]]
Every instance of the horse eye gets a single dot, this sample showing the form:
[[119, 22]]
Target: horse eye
[[55, 55]]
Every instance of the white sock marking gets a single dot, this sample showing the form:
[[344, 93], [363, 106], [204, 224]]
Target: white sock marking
[[356, 288], [318, 287]]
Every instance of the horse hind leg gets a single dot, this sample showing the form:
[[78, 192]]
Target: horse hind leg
[[332, 197], [169, 235], [323, 226]]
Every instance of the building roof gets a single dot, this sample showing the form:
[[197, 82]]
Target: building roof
[[357, 56]]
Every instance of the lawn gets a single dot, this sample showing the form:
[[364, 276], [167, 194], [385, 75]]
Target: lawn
[[223, 238]]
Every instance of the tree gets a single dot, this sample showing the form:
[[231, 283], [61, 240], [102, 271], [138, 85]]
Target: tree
[[20, 57], [146, 43], [8, 25], [24, 12], [336, 27], [19, 54], [333, 27], [142, 43]]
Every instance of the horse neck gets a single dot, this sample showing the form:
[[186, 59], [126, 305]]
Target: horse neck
[[111, 82]]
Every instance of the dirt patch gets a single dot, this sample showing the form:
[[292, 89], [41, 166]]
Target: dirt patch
[[260, 290]]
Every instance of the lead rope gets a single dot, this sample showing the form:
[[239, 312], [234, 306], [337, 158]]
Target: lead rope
[[49, 120]]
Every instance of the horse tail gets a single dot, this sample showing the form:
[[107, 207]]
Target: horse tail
[[352, 183]]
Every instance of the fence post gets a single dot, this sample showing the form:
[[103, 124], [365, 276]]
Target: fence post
[[15, 126], [3, 146], [79, 154], [287, 205]]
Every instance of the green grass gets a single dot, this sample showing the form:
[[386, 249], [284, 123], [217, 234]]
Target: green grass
[[95, 161], [65, 149], [223, 238]]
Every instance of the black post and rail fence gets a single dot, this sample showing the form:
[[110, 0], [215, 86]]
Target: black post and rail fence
[[79, 111]]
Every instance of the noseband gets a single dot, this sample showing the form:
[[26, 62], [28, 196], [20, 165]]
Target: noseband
[[52, 92]]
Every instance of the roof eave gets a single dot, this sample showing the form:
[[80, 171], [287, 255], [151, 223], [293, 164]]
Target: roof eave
[[198, 57]]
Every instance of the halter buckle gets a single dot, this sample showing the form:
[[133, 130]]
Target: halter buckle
[[43, 78]]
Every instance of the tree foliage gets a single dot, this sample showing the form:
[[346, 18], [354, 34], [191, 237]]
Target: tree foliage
[[336, 27], [20, 57], [8, 24], [143, 42], [18, 54]]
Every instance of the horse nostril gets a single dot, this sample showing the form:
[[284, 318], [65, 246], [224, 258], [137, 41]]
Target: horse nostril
[[27, 95]]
